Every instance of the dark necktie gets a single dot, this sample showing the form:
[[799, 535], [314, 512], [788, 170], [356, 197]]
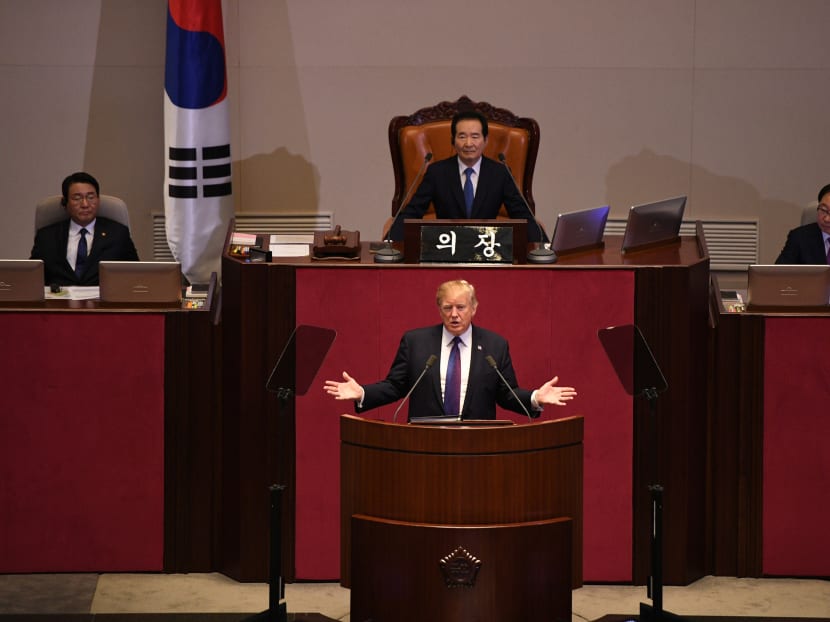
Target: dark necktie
[[80, 258], [468, 191], [452, 388], [828, 253]]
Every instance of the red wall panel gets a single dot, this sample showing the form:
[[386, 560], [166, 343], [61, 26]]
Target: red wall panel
[[81, 442], [550, 318]]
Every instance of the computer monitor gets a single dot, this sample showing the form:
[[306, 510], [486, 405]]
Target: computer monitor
[[140, 281], [21, 280], [788, 287], [579, 230], [652, 224]]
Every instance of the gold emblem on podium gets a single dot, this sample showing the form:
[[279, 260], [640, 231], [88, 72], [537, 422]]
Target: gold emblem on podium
[[460, 568]]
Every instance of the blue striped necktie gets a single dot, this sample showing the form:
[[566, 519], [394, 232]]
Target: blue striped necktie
[[452, 386], [80, 258], [468, 191]]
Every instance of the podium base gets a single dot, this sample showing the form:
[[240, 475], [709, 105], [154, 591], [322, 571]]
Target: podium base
[[649, 614], [279, 614]]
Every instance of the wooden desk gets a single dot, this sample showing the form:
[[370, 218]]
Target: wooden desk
[[108, 422], [550, 314], [770, 465]]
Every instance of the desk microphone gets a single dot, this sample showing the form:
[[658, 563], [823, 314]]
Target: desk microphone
[[430, 362], [492, 363], [537, 255], [387, 254]]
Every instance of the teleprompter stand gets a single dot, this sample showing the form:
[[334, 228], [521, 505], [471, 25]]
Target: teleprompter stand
[[277, 609], [291, 375], [640, 374]]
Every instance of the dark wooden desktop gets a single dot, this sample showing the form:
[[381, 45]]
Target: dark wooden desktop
[[550, 314], [173, 441]]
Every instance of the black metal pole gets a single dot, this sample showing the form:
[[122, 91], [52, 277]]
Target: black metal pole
[[276, 588], [655, 584], [655, 613], [277, 611], [656, 579]]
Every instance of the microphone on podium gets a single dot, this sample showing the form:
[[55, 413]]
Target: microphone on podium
[[387, 254], [541, 254], [430, 362], [492, 363]]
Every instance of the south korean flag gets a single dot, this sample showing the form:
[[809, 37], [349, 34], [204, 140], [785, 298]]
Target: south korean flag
[[198, 202]]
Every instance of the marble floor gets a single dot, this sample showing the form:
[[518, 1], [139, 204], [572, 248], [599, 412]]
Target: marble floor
[[215, 593]]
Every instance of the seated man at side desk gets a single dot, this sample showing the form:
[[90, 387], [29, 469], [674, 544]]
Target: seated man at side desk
[[467, 185], [810, 243], [466, 384], [71, 249]]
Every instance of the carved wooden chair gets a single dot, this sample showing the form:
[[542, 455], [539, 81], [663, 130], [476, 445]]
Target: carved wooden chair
[[412, 136]]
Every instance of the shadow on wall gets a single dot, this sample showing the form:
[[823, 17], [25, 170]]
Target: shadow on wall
[[277, 182], [647, 176], [125, 132], [125, 135]]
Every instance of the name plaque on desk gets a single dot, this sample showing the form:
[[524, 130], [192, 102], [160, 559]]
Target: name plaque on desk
[[463, 241]]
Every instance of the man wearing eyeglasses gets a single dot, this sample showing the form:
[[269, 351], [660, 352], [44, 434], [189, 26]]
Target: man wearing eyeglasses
[[71, 249], [810, 244]]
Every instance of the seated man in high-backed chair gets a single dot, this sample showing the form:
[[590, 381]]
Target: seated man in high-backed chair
[[467, 185], [71, 249]]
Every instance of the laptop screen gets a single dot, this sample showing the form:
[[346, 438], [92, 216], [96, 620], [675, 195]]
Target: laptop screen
[[650, 224], [21, 280], [140, 281], [579, 230], [788, 286]]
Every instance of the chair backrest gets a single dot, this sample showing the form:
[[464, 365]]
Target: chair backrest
[[411, 137], [808, 214], [49, 210]]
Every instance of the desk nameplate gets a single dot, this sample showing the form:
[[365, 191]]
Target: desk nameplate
[[489, 241]]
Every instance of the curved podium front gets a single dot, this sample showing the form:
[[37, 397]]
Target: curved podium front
[[469, 520]]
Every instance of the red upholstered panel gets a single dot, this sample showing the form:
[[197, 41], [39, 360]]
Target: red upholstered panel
[[81, 442], [796, 499], [550, 318]]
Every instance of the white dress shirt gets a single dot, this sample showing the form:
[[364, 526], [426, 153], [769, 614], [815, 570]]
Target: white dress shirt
[[474, 177]]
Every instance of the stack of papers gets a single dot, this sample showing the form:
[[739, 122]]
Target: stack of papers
[[74, 292], [291, 245], [199, 292]]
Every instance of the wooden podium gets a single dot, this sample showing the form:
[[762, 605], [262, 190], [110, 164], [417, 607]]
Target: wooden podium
[[461, 522]]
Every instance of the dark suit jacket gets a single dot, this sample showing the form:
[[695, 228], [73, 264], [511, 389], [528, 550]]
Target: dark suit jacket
[[112, 242], [804, 245], [484, 388], [441, 186]]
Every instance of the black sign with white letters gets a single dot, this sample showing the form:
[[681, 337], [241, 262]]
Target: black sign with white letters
[[467, 244]]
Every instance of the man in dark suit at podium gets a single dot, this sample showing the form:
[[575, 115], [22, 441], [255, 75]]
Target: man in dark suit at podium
[[71, 249], [467, 185], [810, 244], [464, 384]]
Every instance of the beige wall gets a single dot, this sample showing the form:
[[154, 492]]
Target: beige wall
[[723, 100]]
